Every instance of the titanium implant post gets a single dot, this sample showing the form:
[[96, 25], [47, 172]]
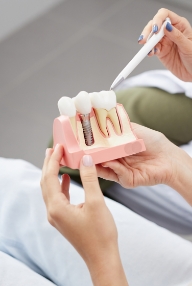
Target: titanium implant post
[[87, 129]]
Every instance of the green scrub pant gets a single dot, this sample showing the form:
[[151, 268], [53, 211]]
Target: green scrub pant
[[168, 113]]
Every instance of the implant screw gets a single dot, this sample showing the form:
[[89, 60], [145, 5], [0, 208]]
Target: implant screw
[[87, 130]]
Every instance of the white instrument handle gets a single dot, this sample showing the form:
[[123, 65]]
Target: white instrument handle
[[144, 51]]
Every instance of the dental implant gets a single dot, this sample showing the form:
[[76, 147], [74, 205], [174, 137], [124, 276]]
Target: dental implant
[[83, 106]]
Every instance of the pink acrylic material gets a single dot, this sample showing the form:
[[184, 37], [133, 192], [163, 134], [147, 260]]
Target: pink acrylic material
[[63, 134]]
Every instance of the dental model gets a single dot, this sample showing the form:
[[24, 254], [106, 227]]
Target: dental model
[[94, 124], [104, 104], [67, 107], [83, 106]]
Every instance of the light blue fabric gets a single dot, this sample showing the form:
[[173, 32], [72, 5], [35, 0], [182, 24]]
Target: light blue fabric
[[150, 254], [15, 273], [159, 204]]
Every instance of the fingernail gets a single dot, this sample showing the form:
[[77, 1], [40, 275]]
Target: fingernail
[[104, 166], [149, 52], [155, 50], [87, 161], [140, 38], [56, 147], [169, 27], [46, 152], [155, 28]]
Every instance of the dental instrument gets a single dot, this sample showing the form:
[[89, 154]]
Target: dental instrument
[[152, 41]]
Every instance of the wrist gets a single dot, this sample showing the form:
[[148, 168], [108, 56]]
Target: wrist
[[106, 268], [181, 179]]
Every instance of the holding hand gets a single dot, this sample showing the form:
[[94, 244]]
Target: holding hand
[[151, 167], [89, 227], [175, 49], [161, 163]]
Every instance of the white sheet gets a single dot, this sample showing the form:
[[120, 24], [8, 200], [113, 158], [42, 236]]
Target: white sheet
[[150, 254], [162, 79]]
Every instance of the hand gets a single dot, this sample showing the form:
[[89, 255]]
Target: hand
[[175, 49], [154, 166], [89, 227], [161, 163]]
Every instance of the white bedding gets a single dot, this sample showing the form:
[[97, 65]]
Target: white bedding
[[150, 254]]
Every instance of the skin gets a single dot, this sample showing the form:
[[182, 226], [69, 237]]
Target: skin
[[72, 221], [175, 49], [161, 163]]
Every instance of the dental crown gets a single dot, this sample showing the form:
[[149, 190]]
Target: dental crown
[[103, 99], [66, 106], [83, 103]]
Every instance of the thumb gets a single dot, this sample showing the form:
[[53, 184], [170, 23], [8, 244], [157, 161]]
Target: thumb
[[177, 37], [89, 179]]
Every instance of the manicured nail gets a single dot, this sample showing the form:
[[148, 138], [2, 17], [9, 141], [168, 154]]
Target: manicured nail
[[149, 52], [140, 38], [155, 28], [46, 152], [155, 50], [169, 27], [87, 161], [57, 146]]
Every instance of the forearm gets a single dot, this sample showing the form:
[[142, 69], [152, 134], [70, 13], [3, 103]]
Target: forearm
[[107, 271], [181, 180]]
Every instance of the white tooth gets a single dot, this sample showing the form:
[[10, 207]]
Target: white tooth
[[83, 103], [67, 107], [73, 98], [109, 99], [101, 115], [105, 101], [112, 114]]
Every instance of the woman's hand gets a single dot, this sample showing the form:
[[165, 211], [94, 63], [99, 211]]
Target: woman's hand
[[175, 49], [154, 166], [89, 227], [161, 163]]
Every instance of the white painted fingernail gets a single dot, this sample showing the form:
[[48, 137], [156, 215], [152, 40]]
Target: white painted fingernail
[[56, 147], [87, 161], [46, 152]]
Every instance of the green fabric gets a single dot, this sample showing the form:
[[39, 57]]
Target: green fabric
[[168, 113]]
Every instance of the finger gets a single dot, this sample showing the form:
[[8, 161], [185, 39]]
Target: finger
[[155, 24], [178, 38], [145, 33], [48, 153], [161, 16], [50, 184], [157, 49], [65, 185], [89, 180], [106, 173], [55, 159], [119, 169], [151, 53]]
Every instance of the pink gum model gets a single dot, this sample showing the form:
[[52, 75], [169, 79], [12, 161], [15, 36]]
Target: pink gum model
[[64, 135]]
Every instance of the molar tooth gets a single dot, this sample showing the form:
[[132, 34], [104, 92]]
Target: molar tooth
[[105, 101], [112, 114], [67, 107], [101, 115], [109, 99]]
